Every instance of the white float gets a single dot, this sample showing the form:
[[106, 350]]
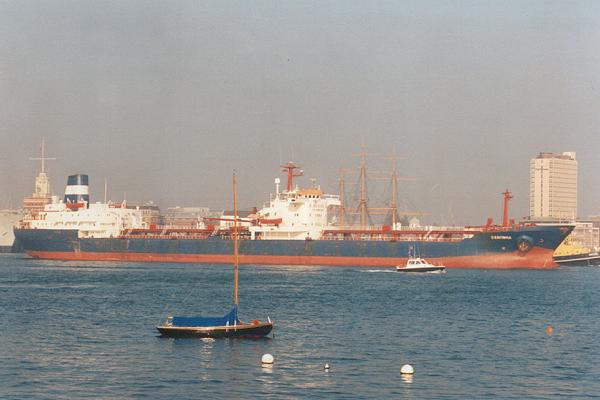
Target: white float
[[267, 359], [407, 369]]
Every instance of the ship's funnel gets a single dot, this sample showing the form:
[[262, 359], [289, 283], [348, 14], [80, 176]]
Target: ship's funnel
[[77, 189]]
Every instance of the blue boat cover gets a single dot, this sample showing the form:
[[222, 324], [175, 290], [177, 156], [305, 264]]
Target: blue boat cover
[[229, 319]]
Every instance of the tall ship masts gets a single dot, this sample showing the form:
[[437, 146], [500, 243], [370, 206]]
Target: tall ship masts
[[342, 191], [394, 200], [362, 202]]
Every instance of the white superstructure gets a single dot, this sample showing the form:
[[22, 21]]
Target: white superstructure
[[97, 220], [295, 214], [91, 220]]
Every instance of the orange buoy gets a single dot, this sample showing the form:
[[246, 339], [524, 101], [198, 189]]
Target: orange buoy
[[549, 330]]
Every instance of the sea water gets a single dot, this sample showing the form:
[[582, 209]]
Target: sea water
[[87, 330]]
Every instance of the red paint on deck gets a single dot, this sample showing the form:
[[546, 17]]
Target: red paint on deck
[[536, 258]]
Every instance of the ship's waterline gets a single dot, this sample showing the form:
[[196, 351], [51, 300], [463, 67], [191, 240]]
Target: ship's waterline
[[480, 251]]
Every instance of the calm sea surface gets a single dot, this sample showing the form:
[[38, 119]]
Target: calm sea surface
[[82, 330]]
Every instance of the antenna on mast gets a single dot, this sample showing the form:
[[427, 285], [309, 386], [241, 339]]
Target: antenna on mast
[[280, 155], [291, 168], [43, 158], [42, 183], [507, 196]]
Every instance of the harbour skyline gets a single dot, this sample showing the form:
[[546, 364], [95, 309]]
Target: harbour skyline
[[165, 100]]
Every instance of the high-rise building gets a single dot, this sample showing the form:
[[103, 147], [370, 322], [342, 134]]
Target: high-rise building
[[553, 186]]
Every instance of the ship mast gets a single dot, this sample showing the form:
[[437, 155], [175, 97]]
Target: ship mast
[[342, 191], [394, 177], [507, 196], [362, 207], [394, 204], [362, 202], [235, 246], [291, 168]]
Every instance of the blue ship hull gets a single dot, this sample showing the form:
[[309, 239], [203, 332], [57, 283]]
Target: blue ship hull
[[525, 247]]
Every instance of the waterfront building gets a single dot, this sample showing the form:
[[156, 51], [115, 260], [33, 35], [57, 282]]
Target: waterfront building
[[185, 217], [150, 213], [37, 201], [595, 220], [585, 235], [245, 217], [553, 187]]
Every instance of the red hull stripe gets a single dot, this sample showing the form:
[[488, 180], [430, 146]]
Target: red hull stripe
[[537, 258]]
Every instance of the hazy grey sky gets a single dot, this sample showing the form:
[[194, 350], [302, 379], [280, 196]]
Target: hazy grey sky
[[166, 98]]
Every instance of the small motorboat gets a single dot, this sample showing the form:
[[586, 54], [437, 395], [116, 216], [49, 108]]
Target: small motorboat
[[420, 265]]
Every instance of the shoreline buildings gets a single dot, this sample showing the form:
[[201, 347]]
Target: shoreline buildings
[[553, 197], [553, 187]]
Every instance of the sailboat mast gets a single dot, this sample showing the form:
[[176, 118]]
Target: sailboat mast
[[235, 244]]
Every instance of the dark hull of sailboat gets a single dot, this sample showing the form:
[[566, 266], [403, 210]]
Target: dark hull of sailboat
[[238, 331]]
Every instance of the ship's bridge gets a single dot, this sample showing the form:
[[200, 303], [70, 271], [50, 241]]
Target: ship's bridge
[[296, 214], [311, 193]]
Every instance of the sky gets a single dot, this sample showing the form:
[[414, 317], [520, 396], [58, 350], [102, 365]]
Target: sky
[[165, 99]]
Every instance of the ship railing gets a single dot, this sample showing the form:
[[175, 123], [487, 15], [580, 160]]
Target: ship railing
[[391, 238], [202, 236], [387, 228], [369, 228], [187, 236]]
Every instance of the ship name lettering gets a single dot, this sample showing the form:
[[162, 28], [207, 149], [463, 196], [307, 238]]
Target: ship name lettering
[[500, 237]]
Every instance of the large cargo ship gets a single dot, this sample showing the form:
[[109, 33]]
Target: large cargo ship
[[297, 227]]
